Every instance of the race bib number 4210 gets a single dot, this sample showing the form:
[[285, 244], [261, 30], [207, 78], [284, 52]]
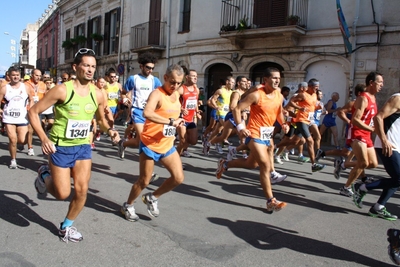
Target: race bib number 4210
[[77, 129]]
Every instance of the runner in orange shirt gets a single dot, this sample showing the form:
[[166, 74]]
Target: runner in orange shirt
[[157, 143], [265, 102]]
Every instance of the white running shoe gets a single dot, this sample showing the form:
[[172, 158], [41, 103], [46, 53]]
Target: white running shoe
[[129, 212], [285, 156], [69, 234], [278, 160], [152, 204], [276, 177], [31, 152], [231, 153], [186, 154], [218, 147]]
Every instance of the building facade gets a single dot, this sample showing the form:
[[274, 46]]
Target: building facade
[[302, 38]]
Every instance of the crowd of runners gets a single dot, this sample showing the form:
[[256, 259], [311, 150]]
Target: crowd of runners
[[162, 117]]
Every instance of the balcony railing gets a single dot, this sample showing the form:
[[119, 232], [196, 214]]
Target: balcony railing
[[148, 35], [24, 59], [242, 14]]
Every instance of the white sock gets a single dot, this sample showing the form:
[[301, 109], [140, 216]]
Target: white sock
[[378, 206], [363, 188]]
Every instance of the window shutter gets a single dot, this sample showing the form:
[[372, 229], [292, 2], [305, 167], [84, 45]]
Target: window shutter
[[270, 13], [106, 42]]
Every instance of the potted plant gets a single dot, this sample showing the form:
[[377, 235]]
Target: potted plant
[[243, 24], [80, 39], [97, 37], [293, 20], [67, 44]]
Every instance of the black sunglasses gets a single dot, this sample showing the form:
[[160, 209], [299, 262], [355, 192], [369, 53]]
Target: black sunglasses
[[84, 51], [149, 68]]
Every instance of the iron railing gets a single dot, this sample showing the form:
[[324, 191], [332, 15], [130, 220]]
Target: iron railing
[[235, 11], [148, 34]]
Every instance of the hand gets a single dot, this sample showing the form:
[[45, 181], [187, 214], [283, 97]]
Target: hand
[[285, 128], [387, 148], [126, 101], [48, 147], [184, 112], [114, 136], [178, 122], [245, 132]]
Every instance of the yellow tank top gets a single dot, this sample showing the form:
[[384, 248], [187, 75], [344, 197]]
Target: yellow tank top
[[112, 95], [223, 102]]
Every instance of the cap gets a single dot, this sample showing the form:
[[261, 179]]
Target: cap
[[27, 77]]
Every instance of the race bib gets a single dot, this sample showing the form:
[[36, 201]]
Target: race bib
[[226, 108], [334, 114], [318, 116], [112, 95], [371, 123], [266, 133], [77, 129], [191, 104], [13, 112], [169, 131], [310, 116], [288, 119], [35, 99]]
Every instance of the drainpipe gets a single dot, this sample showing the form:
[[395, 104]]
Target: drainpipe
[[353, 44], [168, 32], [120, 31]]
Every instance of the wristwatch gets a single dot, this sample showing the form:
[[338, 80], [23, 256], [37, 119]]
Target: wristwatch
[[171, 121]]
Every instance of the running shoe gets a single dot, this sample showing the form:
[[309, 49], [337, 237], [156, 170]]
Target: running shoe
[[206, 148], [69, 234], [245, 156], [358, 195], [227, 143], [303, 159], [276, 177], [292, 151], [394, 245], [231, 153], [154, 177], [367, 180], [317, 167], [129, 212], [278, 160], [93, 147], [338, 168], [221, 168], [13, 164], [275, 205], [31, 152], [320, 154], [344, 191], [121, 149], [39, 182], [382, 213], [218, 147], [285, 156], [186, 154], [152, 204], [98, 136]]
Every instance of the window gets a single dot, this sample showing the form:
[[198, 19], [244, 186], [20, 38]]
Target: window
[[79, 35], [185, 19], [270, 13], [111, 31], [94, 26]]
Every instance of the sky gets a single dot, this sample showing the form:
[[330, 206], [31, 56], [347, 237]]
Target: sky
[[14, 19]]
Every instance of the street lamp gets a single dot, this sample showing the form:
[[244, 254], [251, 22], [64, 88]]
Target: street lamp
[[14, 47]]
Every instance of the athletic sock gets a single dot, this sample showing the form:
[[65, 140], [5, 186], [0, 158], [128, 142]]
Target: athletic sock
[[66, 223], [378, 206]]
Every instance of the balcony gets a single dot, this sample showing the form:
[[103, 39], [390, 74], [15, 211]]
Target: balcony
[[148, 36], [24, 59], [243, 20]]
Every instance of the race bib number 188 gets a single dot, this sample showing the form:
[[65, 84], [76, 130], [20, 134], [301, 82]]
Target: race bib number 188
[[169, 131], [266, 133]]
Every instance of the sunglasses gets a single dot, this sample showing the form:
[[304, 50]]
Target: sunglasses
[[113, 76], [149, 68], [84, 51]]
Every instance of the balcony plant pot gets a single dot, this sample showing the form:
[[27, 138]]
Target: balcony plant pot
[[293, 20], [67, 44], [80, 39], [97, 37]]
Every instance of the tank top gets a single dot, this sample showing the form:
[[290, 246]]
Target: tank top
[[141, 88], [309, 102], [367, 117], [263, 114], [15, 108], [190, 100], [160, 137], [223, 102], [391, 126], [73, 117], [112, 94]]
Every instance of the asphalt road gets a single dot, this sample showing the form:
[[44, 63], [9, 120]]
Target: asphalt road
[[203, 222]]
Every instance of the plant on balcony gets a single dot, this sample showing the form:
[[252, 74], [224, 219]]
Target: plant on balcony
[[67, 44], [228, 28], [97, 37], [80, 39], [243, 24], [293, 20]]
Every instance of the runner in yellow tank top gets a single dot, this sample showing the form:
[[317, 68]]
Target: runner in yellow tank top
[[162, 117]]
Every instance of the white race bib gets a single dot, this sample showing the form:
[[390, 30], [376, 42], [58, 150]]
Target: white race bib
[[35, 99], [226, 108], [310, 116], [191, 104], [266, 133], [113, 95], [77, 129], [169, 131], [13, 112]]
